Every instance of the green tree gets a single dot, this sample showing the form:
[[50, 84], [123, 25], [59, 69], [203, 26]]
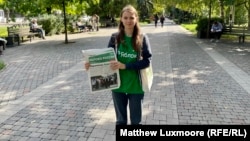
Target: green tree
[[144, 6]]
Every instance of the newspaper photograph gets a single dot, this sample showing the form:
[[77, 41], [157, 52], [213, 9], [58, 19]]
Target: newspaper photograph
[[100, 76]]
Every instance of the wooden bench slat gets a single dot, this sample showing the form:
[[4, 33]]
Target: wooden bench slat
[[239, 31]]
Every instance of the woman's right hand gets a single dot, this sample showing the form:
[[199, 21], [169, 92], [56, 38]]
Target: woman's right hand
[[87, 65]]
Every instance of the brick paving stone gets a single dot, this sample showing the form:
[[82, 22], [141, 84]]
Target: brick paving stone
[[44, 93]]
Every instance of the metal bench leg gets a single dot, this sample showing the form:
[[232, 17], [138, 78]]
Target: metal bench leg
[[4, 46], [240, 38], [18, 40]]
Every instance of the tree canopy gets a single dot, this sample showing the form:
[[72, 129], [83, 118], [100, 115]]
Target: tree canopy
[[225, 9]]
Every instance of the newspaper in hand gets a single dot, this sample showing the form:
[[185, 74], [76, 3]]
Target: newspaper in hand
[[101, 77]]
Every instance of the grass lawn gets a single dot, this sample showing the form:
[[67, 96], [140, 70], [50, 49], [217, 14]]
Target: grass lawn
[[3, 31], [190, 27], [2, 65]]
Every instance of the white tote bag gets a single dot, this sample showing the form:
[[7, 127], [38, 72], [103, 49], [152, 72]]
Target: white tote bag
[[147, 78]]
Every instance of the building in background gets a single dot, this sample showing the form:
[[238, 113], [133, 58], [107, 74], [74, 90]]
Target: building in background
[[2, 17]]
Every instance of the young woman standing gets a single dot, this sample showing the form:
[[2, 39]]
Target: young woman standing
[[133, 54]]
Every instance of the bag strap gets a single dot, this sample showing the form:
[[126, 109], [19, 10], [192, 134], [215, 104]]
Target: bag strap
[[140, 53], [114, 40]]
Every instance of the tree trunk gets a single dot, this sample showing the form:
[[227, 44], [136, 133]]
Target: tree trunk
[[209, 18], [248, 9], [7, 15], [65, 22], [248, 19], [221, 4]]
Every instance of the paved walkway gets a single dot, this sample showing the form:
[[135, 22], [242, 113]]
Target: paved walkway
[[44, 94]]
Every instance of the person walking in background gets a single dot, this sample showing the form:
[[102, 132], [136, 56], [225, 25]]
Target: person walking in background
[[81, 26], [133, 51], [162, 19], [156, 18], [95, 22], [216, 31], [113, 21]]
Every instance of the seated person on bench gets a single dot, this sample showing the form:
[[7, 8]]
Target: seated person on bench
[[37, 28], [216, 31], [81, 26], [2, 45]]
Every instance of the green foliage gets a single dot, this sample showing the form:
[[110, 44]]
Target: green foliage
[[148, 20], [180, 16], [202, 24], [51, 24], [240, 15], [55, 24], [26, 8], [71, 23], [145, 7], [187, 11], [2, 65]]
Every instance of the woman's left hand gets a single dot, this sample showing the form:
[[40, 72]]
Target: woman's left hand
[[114, 65]]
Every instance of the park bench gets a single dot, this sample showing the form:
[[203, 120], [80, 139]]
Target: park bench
[[78, 29], [17, 33], [108, 23], [240, 31]]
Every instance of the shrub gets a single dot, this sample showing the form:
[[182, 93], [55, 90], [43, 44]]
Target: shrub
[[2, 65], [51, 24], [148, 21]]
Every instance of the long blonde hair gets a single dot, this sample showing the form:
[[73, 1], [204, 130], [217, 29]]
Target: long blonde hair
[[136, 36]]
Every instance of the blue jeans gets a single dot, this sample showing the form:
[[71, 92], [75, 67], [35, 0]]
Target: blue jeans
[[41, 31], [121, 101]]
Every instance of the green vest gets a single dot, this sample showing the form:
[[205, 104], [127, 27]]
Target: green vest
[[130, 82]]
